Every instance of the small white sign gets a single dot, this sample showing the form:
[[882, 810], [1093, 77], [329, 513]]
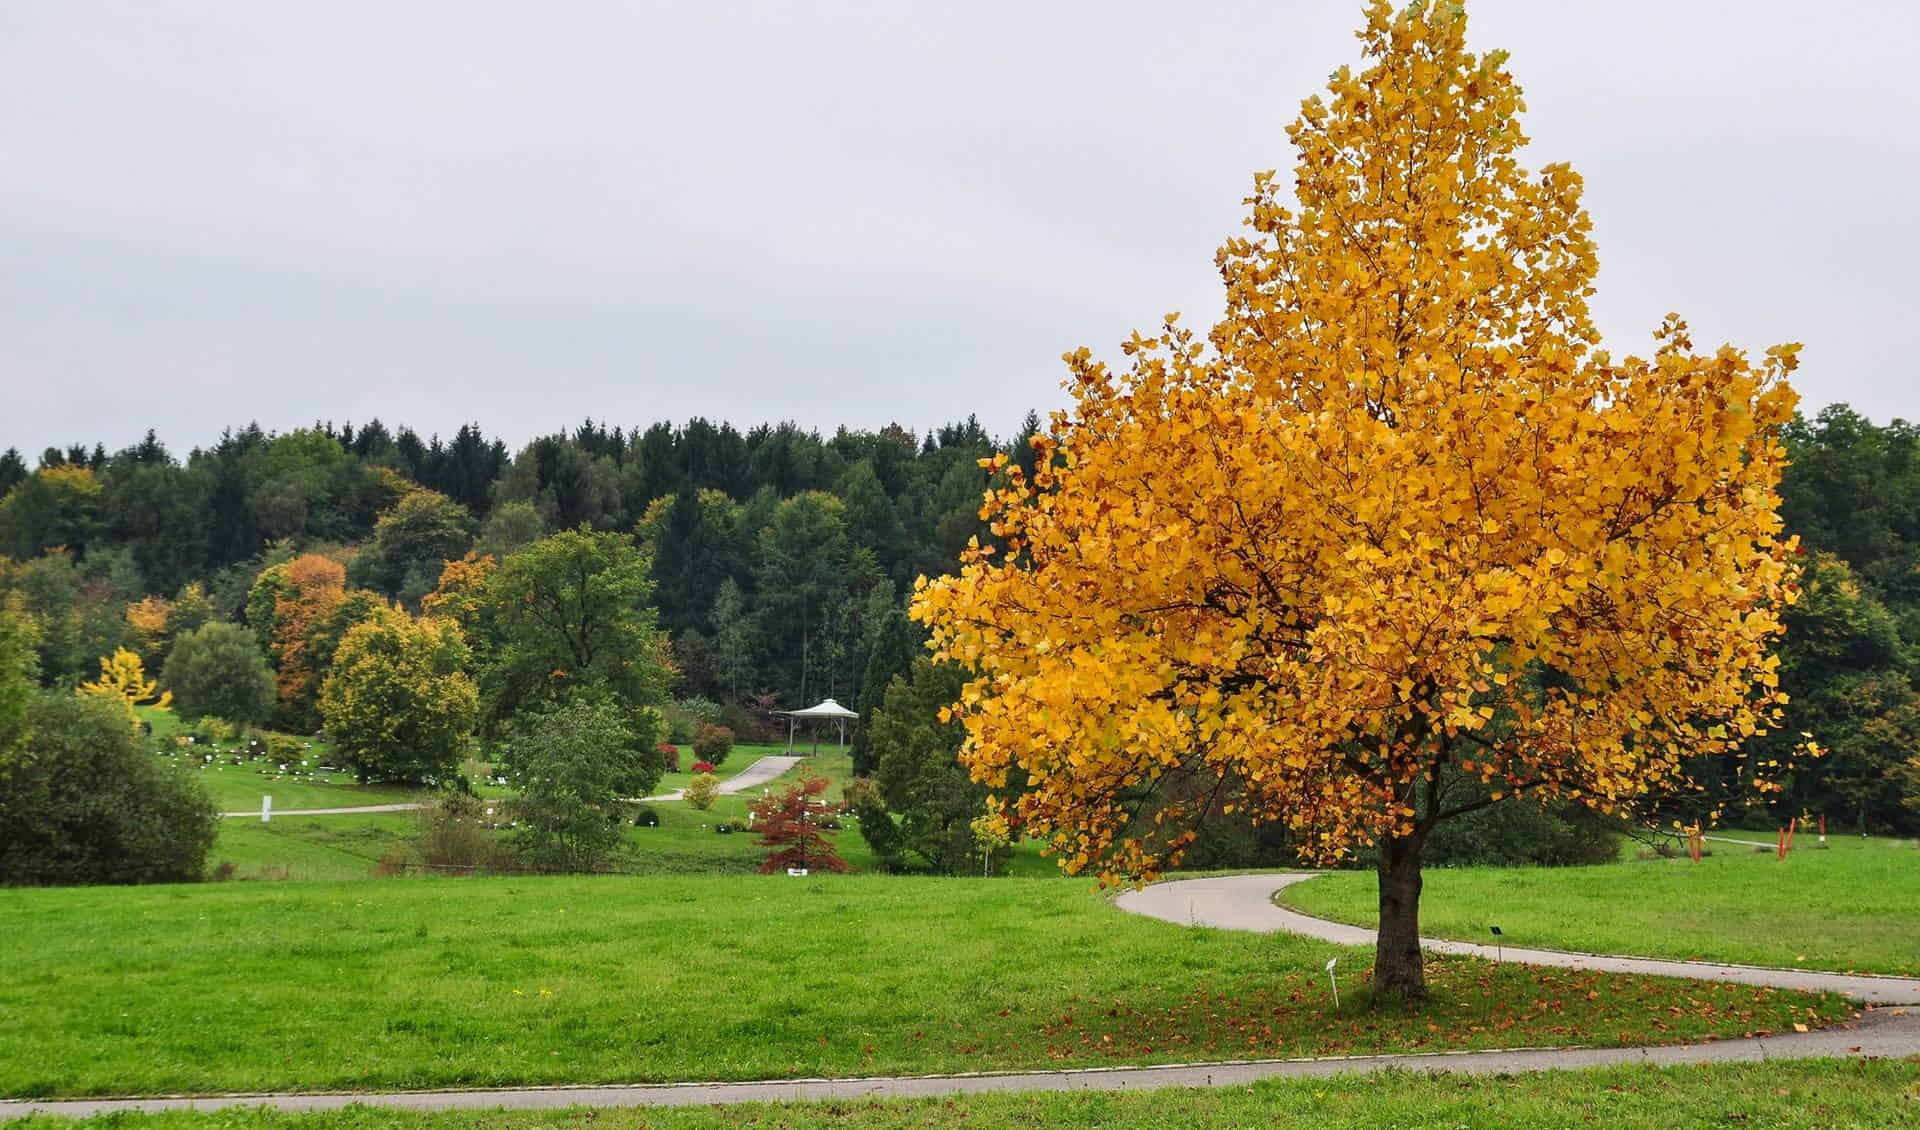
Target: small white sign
[[266, 809], [797, 872]]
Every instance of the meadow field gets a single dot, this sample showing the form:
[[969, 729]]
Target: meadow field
[[407, 983]]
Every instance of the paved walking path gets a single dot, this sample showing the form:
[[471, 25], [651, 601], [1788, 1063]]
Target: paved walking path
[[759, 773], [752, 777], [1240, 902], [278, 812], [1880, 1034], [1245, 902]]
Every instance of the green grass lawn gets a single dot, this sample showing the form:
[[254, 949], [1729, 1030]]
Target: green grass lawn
[[239, 787], [686, 841], [1821, 1093], [312, 847], [415, 983], [1853, 906]]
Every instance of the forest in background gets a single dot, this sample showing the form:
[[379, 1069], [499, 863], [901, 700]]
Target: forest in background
[[781, 559]]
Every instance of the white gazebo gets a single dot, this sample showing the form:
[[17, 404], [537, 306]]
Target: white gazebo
[[827, 709]]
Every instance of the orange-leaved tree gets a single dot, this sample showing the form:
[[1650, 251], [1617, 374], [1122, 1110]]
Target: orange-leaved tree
[[1396, 540], [312, 587]]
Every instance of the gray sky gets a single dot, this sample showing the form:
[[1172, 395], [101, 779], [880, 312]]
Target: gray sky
[[526, 214]]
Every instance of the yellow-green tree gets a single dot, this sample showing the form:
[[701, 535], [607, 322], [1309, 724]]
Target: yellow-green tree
[[123, 679], [1396, 529], [398, 704]]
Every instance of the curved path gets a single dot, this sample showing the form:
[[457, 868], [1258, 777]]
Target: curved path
[[759, 773], [1245, 902], [1240, 902]]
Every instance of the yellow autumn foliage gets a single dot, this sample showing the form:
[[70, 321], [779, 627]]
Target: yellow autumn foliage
[[123, 679], [1398, 512]]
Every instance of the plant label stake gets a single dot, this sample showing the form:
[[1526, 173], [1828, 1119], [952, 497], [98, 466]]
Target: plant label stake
[[1499, 944], [266, 809], [1331, 962]]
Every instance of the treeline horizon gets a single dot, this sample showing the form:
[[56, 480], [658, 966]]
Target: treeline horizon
[[778, 554], [782, 558]]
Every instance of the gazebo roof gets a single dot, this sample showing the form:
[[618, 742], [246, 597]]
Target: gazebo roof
[[827, 709]]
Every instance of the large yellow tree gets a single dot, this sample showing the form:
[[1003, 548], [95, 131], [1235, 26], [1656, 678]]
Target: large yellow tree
[[1397, 540]]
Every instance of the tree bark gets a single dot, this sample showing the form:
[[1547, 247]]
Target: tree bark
[[1398, 971]]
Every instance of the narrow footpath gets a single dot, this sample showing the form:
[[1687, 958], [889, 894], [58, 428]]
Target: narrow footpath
[[753, 776]]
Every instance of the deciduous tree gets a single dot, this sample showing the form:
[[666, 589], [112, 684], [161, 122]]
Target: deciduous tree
[[310, 590], [571, 765], [411, 544], [397, 704], [217, 670], [570, 613], [1396, 518], [123, 680], [789, 825]]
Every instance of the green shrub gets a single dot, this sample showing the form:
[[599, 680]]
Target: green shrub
[[215, 731], [701, 791], [1520, 833], [572, 764], [217, 669], [862, 798], [700, 711], [457, 832], [82, 802], [927, 790], [286, 750], [712, 744]]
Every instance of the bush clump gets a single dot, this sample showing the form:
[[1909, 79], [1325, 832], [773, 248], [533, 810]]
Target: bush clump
[[82, 802], [457, 833], [712, 744], [701, 791]]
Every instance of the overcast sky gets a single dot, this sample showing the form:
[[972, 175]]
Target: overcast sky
[[527, 214]]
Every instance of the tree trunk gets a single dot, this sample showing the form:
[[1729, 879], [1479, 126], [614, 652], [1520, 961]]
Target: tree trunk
[[1398, 971]]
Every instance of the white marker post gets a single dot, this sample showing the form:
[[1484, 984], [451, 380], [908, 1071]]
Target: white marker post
[[1331, 962], [266, 809]]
